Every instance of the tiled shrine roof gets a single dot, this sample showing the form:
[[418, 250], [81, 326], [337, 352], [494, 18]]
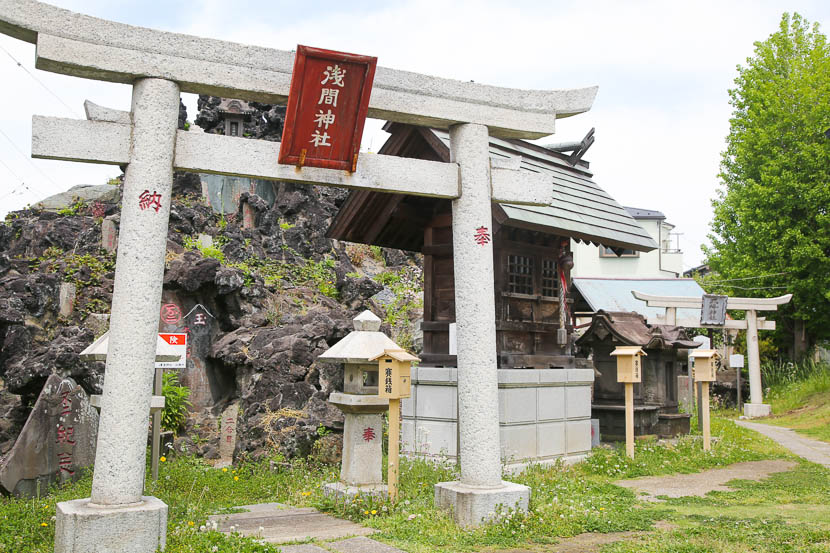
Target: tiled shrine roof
[[580, 210], [631, 329]]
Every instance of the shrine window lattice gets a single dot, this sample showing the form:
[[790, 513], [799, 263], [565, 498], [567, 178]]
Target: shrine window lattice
[[550, 282], [520, 274]]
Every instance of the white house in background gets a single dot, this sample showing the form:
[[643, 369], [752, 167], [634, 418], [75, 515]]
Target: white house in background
[[663, 262], [604, 280]]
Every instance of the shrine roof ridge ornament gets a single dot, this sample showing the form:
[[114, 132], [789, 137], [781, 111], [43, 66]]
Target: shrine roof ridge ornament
[[89, 47]]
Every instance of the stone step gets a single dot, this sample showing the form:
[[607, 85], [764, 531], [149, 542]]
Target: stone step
[[361, 545], [276, 523], [303, 548]]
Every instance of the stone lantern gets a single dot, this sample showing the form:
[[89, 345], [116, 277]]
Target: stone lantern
[[361, 469]]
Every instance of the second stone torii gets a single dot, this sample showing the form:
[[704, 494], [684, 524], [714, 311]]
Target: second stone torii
[[756, 406]]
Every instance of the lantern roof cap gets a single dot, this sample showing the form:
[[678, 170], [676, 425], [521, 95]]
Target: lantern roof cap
[[367, 321], [364, 344]]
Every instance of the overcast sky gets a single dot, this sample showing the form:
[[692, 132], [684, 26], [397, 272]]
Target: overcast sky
[[663, 70]]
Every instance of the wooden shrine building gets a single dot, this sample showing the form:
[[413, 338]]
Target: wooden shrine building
[[531, 246], [656, 396]]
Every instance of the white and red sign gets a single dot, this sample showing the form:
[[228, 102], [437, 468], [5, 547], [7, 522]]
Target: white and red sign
[[176, 343]]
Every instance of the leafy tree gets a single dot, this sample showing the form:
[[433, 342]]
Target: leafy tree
[[771, 213]]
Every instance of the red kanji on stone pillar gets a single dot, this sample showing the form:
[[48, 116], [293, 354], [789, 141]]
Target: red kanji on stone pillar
[[482, 236], [369, 434], [146, 199]]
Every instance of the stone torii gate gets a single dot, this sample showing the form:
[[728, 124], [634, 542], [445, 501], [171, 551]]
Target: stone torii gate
[[756, 406], [161, 65]]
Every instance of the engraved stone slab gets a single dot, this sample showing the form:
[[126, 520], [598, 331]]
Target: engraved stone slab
[[57, 441], [227, 434]]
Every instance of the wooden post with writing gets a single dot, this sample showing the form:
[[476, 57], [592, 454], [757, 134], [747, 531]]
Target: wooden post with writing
[[394, 368], [704, 399], [629, 419], [705, 372], [629, 371], [394, 446]]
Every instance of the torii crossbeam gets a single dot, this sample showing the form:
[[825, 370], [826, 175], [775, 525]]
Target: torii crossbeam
[[161, 65], [756, 406]]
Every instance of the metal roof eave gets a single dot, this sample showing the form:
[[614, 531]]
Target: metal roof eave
[[547, 224]]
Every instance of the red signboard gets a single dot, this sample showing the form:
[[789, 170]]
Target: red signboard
[[327, 106]]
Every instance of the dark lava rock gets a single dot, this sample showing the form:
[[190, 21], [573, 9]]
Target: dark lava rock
[[191, 271], [228, 280], [271, 318]]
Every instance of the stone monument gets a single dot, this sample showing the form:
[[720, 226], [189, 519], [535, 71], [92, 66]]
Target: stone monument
[[160, 65], [57, 441]]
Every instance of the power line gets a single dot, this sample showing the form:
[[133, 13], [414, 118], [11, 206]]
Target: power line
[[18, 187], [759, 288], [9, 169], [745, 278], [24, 156], [21, 66], [12, 193]]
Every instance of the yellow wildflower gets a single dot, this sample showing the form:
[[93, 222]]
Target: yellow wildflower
[[43, 524], [365, 512], [306, 494], [224, 469], [162, 458], [235, 478], [190, 523], [374, 511]]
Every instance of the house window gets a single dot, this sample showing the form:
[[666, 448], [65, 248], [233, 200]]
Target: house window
[[550, 284], [234, 128], [608, 252], [520, 274]]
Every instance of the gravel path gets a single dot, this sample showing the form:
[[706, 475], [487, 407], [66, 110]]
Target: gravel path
[[701, 483], [812, 450]]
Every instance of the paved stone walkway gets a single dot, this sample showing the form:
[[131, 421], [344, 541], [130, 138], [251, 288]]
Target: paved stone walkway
[[278, 523], [351, 545], [701, 483], [808, 448]]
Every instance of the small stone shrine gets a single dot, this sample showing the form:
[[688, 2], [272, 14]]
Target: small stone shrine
[[57, 441], [656, 396], [361, 469]]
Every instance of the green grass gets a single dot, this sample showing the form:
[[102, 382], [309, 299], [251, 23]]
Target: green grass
[[787, 512], [565, 501], [192, 491], [803, 404]]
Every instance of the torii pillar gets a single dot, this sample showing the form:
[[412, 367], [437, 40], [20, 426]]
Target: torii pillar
[[159, 65], [475, 497]]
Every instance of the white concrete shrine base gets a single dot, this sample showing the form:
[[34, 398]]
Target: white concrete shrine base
[[473, 506], [756, 410], [83, 527], [339, 490]]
